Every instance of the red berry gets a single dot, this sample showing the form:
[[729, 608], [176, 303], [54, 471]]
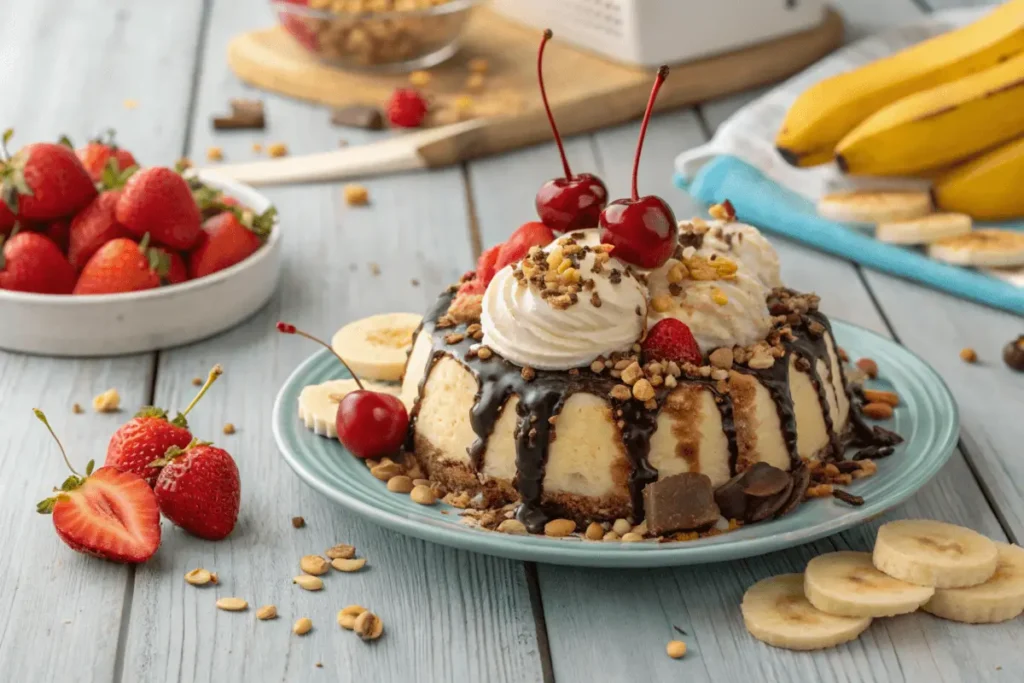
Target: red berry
[[371, 424], [486, 265], [7, 219], [58, 230], [532, 234], [93, 227], [671, 339], [120, 266], [229, 238], [474, 286], [143, 439], [31, 262], [406, 108], [97, 153], [158, 201], [47, 181], [177, 271], [199, 490]]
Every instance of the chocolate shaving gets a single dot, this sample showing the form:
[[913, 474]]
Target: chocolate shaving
[[682, 502], [801, 480], [363, 116], [768, 507], [245, 114], [847, 497], [762, 480]]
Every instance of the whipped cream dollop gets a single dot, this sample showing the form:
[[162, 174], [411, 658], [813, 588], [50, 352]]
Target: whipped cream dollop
[[746, 245], [556, 331], [730, 311]]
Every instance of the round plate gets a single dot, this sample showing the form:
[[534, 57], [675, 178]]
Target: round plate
[[927, 418], [112, 324]]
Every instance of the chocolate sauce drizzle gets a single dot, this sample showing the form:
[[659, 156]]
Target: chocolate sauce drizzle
[[542, 398]]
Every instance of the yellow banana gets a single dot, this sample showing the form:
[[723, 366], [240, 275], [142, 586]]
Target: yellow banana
[[940, 126], [989, 187], [827, 111]]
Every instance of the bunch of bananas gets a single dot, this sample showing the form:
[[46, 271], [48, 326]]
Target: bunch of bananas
[[950, 109]]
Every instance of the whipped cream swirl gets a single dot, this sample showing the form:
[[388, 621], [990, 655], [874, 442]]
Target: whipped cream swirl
[[746, 245], [529, 330]]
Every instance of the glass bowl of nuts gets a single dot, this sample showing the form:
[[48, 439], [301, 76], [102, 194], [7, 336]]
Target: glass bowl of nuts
[[377, 35]]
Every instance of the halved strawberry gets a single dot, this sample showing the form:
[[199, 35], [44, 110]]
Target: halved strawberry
[[485, 265], [671, 339], [473, 286], [532, 234]]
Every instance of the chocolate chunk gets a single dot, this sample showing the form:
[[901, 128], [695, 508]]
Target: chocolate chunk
[[762, 480], [358, 116], [847, 497], [730, 498], [873, 452], [801, 480], [885, 437], [244, 114], [847, 466], [767, 507], [1013, 354], [682, 502]]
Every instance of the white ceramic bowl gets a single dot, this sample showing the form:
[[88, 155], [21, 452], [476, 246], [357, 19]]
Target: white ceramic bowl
[[115, 324]]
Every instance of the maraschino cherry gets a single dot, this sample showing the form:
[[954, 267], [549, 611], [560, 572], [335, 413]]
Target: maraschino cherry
[[573, 202], [642, 229], [370, 424]]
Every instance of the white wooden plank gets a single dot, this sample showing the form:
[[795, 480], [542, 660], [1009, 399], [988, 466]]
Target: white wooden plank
[[66, 67], [448, 615]]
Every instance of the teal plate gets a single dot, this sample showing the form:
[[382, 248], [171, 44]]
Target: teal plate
[[927, 418]]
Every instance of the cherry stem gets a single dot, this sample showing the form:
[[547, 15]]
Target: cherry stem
[[662, 75], [287, 328], [547, 107], [42, 418], [216, 372]]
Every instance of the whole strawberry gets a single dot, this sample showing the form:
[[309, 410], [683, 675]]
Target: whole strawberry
[[406, 108], [31, 262], [121, 266], [93, 227], [109, 514], [527, 235], [44, 181], [59, 232], [7, 219], [158, 201], [671, 340], [177, 271], [147, 436], [228, 238], [199, 490], [99, 151]]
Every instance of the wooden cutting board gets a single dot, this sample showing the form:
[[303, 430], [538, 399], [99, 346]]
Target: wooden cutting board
[[586, 91]]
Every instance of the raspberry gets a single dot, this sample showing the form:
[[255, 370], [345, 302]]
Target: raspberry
[[406, 108], [671, 339]]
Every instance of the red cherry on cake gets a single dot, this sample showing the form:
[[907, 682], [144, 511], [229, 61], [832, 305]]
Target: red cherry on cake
[[573, 202], [642, 229], [370, 424], [671, 339]]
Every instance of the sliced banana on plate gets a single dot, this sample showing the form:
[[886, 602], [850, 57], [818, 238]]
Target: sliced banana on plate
[[318, 403], [925, 229], [376, 347], [874, 206], [931, 553], [986, 247], [998, 599], [776, 612], [846, 583]]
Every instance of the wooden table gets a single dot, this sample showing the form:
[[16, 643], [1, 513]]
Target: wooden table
[[72, 66]]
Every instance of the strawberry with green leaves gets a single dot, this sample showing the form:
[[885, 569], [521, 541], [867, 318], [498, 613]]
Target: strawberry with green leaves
[[228, 238], [31, 262], [98, 154], [158, 201], [147, 436], [94, 226], [199, 489], [108, 513], [44, 180], [121, 266]]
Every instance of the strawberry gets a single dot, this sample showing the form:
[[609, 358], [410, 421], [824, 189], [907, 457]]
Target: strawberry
[[177, 271], [532, 234], [474, 286], [158, 201], [45, 181], [671, 339], [59, 231], [109, 514], [228, 238], [31, 262], [99, 151], [406, 108], [147, 436], [485, 265], [93, 227], [199, 489], [7, 219], [121, 265]]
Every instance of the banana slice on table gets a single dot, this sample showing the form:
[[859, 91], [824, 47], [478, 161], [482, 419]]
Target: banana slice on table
[[931, 553], [987, 247], [776, 612], [998, 599], [376, 347], [874, 206], [923, 230], [1015, 275], [846, 583], [318, 403]]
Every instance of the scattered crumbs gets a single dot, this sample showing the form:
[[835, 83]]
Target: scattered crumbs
[[229, 428], [214, 154], [277, 149], [68, 621], [129, 103], [107, 402], [197, 381], [374, 268], [414, 282], [679, 630], [319, 665], [77, 409], [298, 522], [356, 195], [257, 148], [969, 355]]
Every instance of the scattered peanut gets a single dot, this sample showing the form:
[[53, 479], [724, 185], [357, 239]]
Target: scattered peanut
[[232, 604], [198, 577], [622, 526], [309, 583], [675, 649], [595, 532], [197, 381], [558, 528], [266, 612], [512, 526], [347, 616], [386, 470], [298, 522], [353, 565], [968, 355], [421, 482], [631, 537], [302, 626], [214, 154], [368, 625], [77, 409], [878, 411], [424, 495], [313, 564], [277, 149], [356, 195], [341, 551], [400, 484], [107, 402], [229, 428], [869, 367], [876, 396]]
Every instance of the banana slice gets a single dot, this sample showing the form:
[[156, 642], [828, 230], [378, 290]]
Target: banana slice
[[873, 206], [1015, 276], [930, 228], [847, 584], [998, 599], [987, 247], [318, 403], [776, 612], [931, 553], [376, 347]]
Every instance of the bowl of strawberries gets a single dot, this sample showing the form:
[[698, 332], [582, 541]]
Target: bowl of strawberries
[[99, 256]]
